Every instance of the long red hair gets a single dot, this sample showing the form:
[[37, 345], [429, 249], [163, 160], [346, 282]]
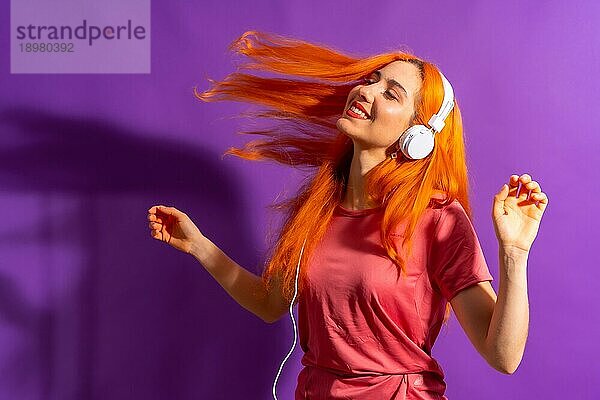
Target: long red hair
[[303, 106]]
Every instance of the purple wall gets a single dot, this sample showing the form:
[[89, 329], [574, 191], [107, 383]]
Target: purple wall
[[92, 308]]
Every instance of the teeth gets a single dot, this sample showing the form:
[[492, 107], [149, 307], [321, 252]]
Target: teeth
[[358, 111]]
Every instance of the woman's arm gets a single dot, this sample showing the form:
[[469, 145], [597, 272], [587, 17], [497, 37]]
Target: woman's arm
[[498, 326], [174, 227], [242, 285]]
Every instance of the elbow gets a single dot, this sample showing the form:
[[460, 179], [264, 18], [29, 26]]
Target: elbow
[[503, 364], [503, 361], [507, 371], [270, 318], [271, 315], [265, 317], [507, 368]]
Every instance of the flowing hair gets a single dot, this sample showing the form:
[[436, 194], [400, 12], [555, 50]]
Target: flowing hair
[[303, 106]]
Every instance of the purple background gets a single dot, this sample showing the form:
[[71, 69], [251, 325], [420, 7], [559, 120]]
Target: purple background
[[92, 308]]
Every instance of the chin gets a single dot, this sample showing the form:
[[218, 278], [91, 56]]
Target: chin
[[352, 134], [342, 126]]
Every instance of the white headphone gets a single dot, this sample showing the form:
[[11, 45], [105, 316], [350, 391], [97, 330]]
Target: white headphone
[[417, 141]]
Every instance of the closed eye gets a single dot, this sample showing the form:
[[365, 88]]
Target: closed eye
[[368, 81], [388, 93]]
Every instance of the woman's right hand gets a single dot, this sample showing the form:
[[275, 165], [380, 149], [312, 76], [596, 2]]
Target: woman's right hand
[[174, 227]]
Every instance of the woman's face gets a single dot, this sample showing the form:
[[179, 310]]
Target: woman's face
[[378, 111]]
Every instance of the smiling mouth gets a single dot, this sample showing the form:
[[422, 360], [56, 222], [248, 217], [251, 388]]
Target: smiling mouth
[[355, 111]]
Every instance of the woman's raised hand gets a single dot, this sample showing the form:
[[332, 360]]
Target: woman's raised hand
[[517, 213], [174, 227]]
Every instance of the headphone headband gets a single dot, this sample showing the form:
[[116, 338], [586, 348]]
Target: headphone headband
[[437, 120]]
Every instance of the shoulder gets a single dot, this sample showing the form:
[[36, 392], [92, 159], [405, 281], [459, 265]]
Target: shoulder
[[444, 206], [453, 209], [451, 218], [441, 213]]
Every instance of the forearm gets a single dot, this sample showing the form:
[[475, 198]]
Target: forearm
[[242, 285], [507, 333]]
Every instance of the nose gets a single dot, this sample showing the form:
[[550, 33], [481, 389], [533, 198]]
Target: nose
[[366, 92]]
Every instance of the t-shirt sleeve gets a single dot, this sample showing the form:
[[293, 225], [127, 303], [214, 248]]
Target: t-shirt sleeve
[[457, 261]]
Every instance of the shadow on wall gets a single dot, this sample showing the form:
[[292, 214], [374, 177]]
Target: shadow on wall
[[125, 315]]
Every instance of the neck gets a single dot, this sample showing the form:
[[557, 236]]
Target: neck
[[363, 161]]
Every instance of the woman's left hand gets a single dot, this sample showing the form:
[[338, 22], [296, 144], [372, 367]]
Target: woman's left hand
[[517, 219]]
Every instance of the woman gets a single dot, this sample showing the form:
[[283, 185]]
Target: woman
[[382, 238]]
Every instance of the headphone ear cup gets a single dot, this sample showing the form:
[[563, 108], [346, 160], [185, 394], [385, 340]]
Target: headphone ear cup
[[416, 142]]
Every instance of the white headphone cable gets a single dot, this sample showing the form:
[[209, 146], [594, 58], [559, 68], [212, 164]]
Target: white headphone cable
[[293, 323]]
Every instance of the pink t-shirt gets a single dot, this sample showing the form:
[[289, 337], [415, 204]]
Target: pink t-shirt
[[367, 333]]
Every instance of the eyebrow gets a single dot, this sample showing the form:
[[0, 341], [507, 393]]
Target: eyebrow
[[391, 81]]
